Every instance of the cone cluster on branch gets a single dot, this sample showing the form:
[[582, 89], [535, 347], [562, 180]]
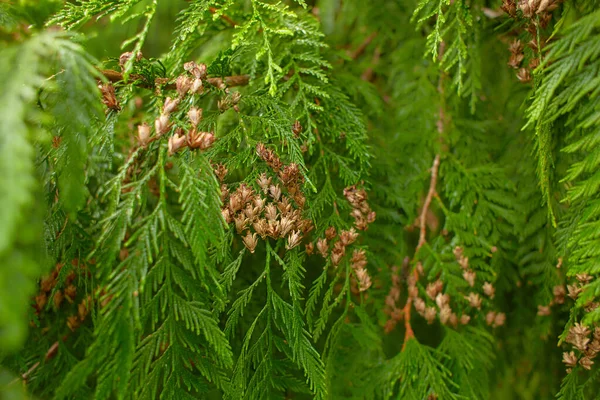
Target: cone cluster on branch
[[586, 344], [361, 212], [436, 303], [536, 14], [275, 210], [584, 340], [191, 136], [52, 287]]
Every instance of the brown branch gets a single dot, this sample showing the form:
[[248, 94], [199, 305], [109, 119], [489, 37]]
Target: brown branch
[[409, 333], [362, 47], [234, 80], [49, 354], [225, 18], [428, 198], [58, 235], [367, 75]]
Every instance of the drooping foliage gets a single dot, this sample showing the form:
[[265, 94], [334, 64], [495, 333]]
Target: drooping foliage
[[256, 199]]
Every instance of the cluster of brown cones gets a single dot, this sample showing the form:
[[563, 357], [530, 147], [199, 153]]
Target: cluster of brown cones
[[275, 211], [436, 304], [68, 292], [537, 15]]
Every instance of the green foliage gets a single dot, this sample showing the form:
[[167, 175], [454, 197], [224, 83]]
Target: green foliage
[[23, 125], [299, 199]]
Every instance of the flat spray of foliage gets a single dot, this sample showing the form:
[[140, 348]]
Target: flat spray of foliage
[[260, 199]]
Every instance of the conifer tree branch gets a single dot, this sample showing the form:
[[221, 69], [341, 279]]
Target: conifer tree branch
[[234, 80], [409, 333], [432, 190], [224, 17]]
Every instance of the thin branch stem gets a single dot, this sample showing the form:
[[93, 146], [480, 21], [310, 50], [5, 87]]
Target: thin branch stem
[[224, 17], [234, 80], [363, 46], [432, 190], [440, 124], [49, 354]]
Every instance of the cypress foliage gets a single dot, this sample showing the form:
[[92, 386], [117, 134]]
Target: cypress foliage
[[259, 199]]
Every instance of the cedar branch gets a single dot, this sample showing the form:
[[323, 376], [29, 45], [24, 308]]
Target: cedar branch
[[234, 80], [409, 333]]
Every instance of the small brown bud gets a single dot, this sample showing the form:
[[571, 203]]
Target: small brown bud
[[224, 193], [509, 7], [516, 47], [515, 60], [442, 300], [420, 305], [200, 140], [432, 290], [430, 314], [586, 362], [297, 128], [259, 203], [284, 206], [523, 75], [226, 215], [183, 84], [109, 97], [330, 233], [261, 227], [176, 142], [263, 182], [286, 225], [474, 300], [144, 134], [364, 280], [489, 290], [195, 116], [323, 247], [197, 70], [270, 212], [464, 319], [58, 298], [543, 311], [458, 252], [235, 203], [40, 301], [348, 237], [336, 257], [470, 276], [73, 322], [273, 229], [584, 278], [197, 86], [241, 223], [293, 240], [246, 193], [490, 317], [534, 63], [48, 283], [445, 313], [359, 259], [570, 359], [162, 125], [574, 291], [499, 320], [275, 192], [310, 248], [170, 105], [70, 293], [250, 241], [251, 212]]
